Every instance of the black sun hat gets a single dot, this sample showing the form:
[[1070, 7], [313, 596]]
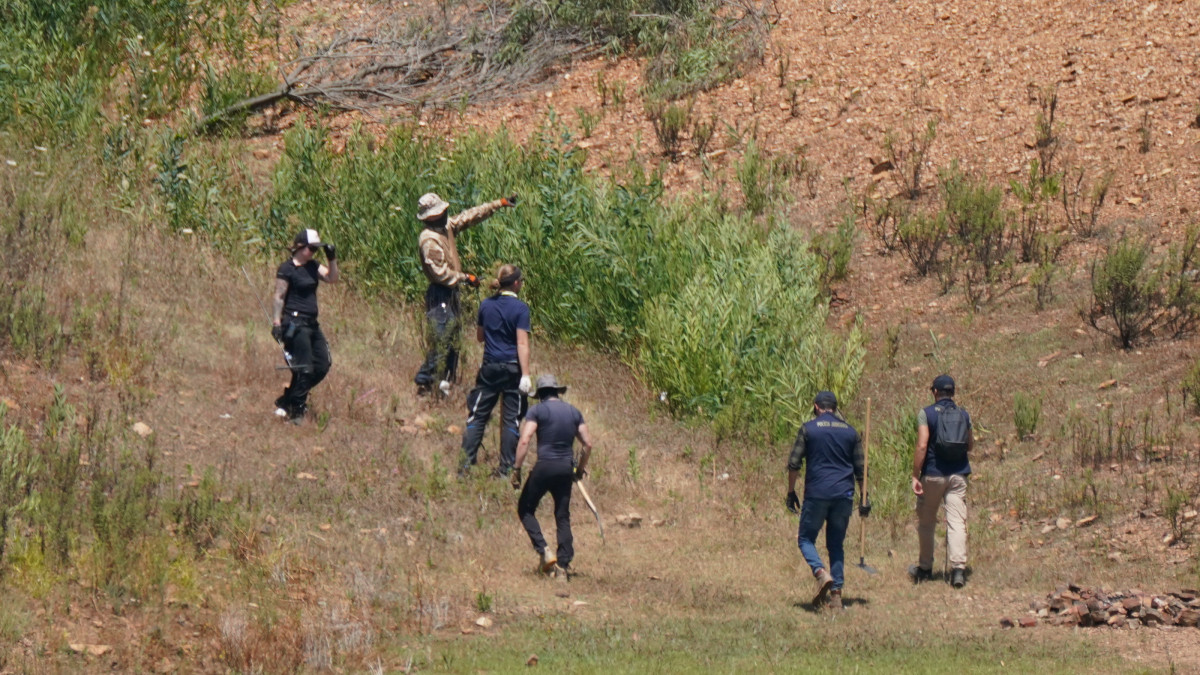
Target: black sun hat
[[549, 382]]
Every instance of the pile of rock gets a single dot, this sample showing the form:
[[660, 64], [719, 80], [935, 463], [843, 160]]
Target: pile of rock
[[1074, 605]]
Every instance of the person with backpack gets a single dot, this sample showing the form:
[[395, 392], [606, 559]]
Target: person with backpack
[[940, 468], [831, 453], [556, 424], [442, 267], [503, 328], [294, 321]]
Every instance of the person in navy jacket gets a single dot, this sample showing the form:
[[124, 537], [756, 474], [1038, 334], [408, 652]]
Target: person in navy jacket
[[831, 453]]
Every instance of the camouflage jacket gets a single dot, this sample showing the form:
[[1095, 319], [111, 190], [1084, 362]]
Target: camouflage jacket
[[439, 254]]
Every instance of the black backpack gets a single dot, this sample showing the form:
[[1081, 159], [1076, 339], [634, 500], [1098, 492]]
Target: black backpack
[[953, 434]]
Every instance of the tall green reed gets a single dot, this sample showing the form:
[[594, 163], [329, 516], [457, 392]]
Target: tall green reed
[[721, 314]]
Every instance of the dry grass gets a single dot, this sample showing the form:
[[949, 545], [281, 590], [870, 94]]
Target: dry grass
[[381, 559]]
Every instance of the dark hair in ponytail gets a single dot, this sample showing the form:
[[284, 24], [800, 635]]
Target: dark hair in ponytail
[[506, 277]]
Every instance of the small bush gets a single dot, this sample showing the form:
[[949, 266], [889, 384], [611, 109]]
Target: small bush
[[1174, 505], [1133, 300], [17, 466], [1125, 291], [883, 218], [979, 221], [588, 121], [1042, 280], [670, 121], [891, 341], [908, 155], [1034, 195], [221, 90], [1045, 128], [1191, 386], [1181, 277], [922, 237], [1082, 201], [1145, 133], [834, 251], [1027, 410], [702, 133], [763, 179], [199, 515]]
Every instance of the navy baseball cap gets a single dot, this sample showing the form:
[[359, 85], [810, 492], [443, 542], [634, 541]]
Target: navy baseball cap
[[825, 400], [943, 383]]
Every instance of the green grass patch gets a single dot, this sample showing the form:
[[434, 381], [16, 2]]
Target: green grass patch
[[797, 643]]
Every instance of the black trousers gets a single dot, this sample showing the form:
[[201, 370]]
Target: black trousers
[[554, 477], [443, 336], [306, 343], [495, 380]]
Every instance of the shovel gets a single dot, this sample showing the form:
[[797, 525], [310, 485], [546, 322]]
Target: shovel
[[862, 522], [587, 499]]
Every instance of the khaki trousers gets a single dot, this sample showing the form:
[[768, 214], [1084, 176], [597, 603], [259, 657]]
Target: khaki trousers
[[952, 490]]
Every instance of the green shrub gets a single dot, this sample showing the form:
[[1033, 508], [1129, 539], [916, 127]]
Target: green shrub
[[763, 179], [1174, 505], [221, 90], [1027, 410], [922, 237], [1125, 291], [670, 121], [1138, 298], [1181, 277], [57, 484], [907, 156], [1191, 385], [588, 120], [124, 512], [1034, 196], [978, 219], [1082, 201], [834, 251], [1133, 299], [17, 466], [199, 515]]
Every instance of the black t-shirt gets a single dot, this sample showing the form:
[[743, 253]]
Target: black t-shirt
[[557, 423], [302, 281]]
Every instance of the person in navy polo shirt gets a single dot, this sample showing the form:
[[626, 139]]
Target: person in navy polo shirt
[[831, 453], [503, 328]]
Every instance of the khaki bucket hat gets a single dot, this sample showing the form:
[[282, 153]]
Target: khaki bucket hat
[[431, 206]]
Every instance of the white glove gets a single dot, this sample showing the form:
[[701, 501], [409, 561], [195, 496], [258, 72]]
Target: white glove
[[525, 385]]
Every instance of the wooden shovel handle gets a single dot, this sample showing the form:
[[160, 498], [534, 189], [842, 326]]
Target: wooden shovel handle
[[862, 522]]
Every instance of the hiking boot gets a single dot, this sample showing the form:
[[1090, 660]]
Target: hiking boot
[[560, 574], [835, 599], [919, 574], [548, 562], [281, 413], [824, 583], [958, 578]]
